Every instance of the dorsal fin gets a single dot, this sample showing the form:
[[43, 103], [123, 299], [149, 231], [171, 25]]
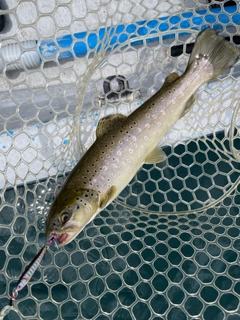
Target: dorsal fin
[[108, 122]]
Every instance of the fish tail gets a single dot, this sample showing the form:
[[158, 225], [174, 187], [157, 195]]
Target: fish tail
[[219, 54]]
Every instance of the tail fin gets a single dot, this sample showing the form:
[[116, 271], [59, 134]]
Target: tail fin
[[220, 53]]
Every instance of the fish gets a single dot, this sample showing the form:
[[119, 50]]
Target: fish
[[124, 143]]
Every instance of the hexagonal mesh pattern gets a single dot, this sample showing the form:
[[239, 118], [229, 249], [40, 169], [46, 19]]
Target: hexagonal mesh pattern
[[167, 247]]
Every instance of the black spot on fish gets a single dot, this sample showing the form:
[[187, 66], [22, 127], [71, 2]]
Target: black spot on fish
[[86, 195], [66, 199], [78, 207]]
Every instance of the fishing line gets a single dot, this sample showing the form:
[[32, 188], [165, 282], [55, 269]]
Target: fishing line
[[27, 275]]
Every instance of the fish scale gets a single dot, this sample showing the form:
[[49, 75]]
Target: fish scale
[[123, 144]]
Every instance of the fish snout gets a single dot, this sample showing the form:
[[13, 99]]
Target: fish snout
[[52, 226]]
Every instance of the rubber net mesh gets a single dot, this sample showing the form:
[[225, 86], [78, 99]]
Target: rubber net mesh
[[168, 247]]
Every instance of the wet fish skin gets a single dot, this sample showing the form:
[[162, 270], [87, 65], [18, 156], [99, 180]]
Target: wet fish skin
[[123, 144]]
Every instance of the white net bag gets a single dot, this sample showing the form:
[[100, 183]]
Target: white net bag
[[167, 247]]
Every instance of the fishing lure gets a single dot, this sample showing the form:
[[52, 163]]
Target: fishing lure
[[27, 275]]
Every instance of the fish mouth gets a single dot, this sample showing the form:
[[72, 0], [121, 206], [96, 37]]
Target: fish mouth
[[63, 239], [66, 234]]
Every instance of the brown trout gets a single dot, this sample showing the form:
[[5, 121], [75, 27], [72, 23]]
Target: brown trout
[[124, 144]]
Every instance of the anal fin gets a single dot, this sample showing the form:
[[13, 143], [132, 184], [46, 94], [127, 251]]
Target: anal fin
[[157, 155], [188, 105]]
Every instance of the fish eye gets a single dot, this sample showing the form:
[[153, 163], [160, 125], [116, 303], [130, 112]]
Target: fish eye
[[65, 216]]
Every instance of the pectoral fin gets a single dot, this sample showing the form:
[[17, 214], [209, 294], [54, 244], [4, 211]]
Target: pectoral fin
[[108, 122], [109, 196], [170, 78], [157, 155], [188, 105]]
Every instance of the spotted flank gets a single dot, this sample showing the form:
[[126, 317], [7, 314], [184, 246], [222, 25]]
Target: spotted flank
[[123, 144]]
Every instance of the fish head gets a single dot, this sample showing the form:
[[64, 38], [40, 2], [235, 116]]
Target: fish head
[[70, 212]]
